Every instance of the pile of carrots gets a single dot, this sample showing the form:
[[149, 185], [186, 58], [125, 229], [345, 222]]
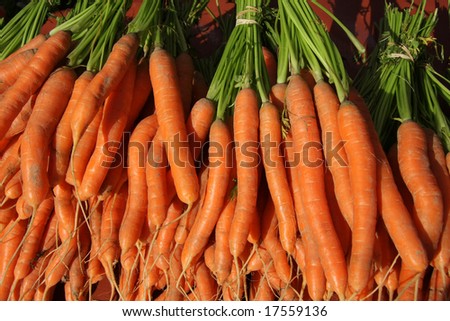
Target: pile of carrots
[[133, 182]]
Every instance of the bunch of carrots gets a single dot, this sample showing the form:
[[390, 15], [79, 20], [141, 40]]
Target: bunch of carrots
[[126, 175]]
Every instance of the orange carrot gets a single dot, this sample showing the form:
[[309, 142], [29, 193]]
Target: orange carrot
[[327, 105], [169, 108], [272, 242], [80, 155], [114, 120], [95, 270], [163, 247], [19, 123], [136, 212], [436, 155], [33, 43], [156, 171], [13, 189], [32, 239], [198, 125], [415, 168], [7, 215], [187, 220], [109, 252], [141, 93], [362, 163], [270, 138], [392, 208], [339, 221], [49, 54], [305, 132], [206, 286], [65, 211], [11, 68], [260, 289], [222, 257], [11, 237], [62, 140], [48, 109], [271, 65], [10, 162], [103, 83], [312, 268], [219, 172], [77, 270], [246, 124]]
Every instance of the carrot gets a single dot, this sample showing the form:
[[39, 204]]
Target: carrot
[[410, 285], [11, 237], [260, 289], [392, 157], [222, 256], [95, 270], [49, 54], [305, 130], [233, 289], [165, 238], [436, 154], [188, 219], [271, 65], [33, 279], [103, 83], [77, 270], [117, 172], [80, 155], [20, 122], [13, 189], [48, 109], [136, 211], [32, 239], [62, 140], [392, 208], [65, 211], [384, 261], [169, 108], [198, 125], [7, 215], [438, 289], [415, 168], [109, 252], [11, 69], [270, 138], [271, 241], [277, 95], [219, 172], [156, 171], [185, 71], [327, 105], [33, 43], [112, 125], [206, 286], [174, 286], [129, 276], [245, 126], [362, 173], [10, 162], [311, 268], [339, 221], [59, 262], [141, 92]]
